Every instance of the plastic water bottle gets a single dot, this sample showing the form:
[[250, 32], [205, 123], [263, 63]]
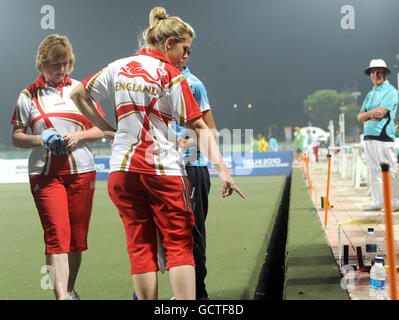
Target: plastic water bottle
[[371, 247], [378, 276]]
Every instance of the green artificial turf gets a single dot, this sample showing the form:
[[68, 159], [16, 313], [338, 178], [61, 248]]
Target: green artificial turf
[[311, 270], [237, 234]]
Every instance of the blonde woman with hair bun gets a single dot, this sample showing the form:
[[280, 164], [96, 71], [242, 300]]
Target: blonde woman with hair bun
[[163, 27], [148, 182]]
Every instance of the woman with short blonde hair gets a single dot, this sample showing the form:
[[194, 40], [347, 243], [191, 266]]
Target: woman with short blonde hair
[[61, 166], [52, 48]]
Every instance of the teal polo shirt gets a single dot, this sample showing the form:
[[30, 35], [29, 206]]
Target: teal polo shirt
[[385, 96], [193, 156]]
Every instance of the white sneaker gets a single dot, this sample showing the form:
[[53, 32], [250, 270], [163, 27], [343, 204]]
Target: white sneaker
[[394, 208], [372, 207]]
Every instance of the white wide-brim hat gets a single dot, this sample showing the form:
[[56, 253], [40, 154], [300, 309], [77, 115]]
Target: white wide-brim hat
[[377, 63]]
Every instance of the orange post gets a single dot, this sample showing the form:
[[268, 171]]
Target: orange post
[[306, 167], [390, 241], [301, 161], [326, 204], [307, 173]]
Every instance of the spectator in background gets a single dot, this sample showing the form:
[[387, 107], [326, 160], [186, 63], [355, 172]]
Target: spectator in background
[[298, 144], [338, 141], [378, 115], [308, 148], [316, 144], [255, 144], [262, 143], [273, 145]]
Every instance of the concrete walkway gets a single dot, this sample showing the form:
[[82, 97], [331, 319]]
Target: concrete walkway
[[347, 202]]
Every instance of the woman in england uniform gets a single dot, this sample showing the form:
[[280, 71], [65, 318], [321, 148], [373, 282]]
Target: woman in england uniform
[[148, 182], [61, 165]]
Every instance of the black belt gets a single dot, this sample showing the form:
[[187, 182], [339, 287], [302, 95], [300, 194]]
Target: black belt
[[378, 138]]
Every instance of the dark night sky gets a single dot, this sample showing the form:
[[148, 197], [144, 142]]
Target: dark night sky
[[270, 53]]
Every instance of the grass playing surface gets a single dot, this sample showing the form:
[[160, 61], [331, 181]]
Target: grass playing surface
[[236, 233], [311, 270]]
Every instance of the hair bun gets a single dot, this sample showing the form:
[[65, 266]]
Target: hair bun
[[162, 27], [157, 14]]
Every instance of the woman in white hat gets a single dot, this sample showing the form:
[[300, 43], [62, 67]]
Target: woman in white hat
[[378, 115]]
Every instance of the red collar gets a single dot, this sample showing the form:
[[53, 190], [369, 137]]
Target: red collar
[[154, 53], [40, 82]]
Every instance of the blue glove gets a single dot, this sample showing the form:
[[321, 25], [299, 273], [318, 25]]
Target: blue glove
[[53, 141]]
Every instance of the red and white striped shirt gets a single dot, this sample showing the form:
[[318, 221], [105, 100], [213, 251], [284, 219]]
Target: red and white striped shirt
[[148, 94], [41, 106]]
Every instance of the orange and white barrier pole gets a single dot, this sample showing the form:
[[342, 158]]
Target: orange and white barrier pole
[[326, 201], [390, 241]]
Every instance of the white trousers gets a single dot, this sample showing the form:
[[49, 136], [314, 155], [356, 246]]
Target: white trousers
[[378, 152]]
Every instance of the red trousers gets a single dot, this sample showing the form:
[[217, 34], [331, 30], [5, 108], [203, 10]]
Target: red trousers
[[316, 153], [147, 202], [64, 204]]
